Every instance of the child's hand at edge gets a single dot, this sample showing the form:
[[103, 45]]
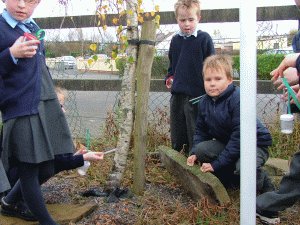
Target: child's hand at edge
[[191, 160], [206, 167], [93, 156]]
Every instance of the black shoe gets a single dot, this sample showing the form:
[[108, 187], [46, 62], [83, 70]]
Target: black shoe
[[17, 210], [268, 217]]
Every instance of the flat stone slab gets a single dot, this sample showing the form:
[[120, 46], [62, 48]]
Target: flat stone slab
[[62, 214], [197, 183], [277, 167]]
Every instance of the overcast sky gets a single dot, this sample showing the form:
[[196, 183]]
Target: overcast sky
[[48, 8], [78, 7]]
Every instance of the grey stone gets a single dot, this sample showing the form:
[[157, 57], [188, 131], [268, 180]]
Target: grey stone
[[62, 213], [277, 167], [197, 183]]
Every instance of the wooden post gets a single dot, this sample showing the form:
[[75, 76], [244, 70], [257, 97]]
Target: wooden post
[[143, 74]]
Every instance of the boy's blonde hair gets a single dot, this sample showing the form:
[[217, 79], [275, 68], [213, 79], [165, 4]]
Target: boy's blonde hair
[[187, 4], [219, 63]]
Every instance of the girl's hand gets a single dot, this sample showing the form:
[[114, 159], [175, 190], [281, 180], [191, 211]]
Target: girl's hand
[[291, 76], [191, 160], [206, 167], [297, 93], [93, 156], [297, 90], [288, 61], [81, 150]]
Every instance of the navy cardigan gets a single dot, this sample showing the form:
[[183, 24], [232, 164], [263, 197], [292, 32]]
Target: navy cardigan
[[67, 162]]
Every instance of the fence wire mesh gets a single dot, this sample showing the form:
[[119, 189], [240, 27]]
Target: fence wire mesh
[[88, 109]]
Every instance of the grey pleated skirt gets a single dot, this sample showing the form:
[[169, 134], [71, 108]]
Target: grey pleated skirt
[[37, 138]]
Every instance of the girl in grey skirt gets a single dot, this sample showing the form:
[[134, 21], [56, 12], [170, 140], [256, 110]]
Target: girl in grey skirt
[[34, 126]]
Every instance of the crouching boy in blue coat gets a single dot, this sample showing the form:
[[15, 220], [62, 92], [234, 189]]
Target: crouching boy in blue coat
[[216, 143]]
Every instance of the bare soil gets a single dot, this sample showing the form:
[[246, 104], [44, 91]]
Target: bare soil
[[164, 201]]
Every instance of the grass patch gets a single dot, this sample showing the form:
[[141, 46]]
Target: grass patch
[[284, 145], [164, 200]]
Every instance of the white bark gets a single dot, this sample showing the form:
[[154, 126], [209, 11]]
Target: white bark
[[127, 102]]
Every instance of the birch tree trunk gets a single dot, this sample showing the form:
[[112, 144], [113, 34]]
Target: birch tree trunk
[[126, 108]]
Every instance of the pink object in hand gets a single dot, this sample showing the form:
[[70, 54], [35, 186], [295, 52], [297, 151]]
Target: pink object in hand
[[29, 36], [169, 82]]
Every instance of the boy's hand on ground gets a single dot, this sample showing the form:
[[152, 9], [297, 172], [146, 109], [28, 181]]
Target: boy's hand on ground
[[206, 167], [24, 49], [93, 156], [191, 160]]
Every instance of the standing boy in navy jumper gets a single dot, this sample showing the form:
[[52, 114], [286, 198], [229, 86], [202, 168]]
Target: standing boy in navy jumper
[[35, 129], [217, 135], [188, 49]]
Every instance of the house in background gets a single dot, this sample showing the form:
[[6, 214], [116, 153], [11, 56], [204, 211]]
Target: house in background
[[226, 45]]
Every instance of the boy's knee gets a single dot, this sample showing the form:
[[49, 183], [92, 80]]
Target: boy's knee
[[208, 151], [202, 152]]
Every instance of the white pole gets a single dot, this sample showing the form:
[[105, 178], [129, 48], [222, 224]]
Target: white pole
[[248, 112]]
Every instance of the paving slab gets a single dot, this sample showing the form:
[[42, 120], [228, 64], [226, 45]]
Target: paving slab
[[197, 183], [277, 167], [63, 214]]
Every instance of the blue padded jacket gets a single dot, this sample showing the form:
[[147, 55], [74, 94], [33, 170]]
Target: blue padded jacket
[[220, 119]]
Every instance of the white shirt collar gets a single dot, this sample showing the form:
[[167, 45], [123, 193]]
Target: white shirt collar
[[184, 35]]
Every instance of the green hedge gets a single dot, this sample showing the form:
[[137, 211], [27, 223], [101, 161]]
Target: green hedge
[[265, 64]]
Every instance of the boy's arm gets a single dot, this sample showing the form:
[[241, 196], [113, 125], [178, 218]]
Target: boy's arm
[[231, 152], [209, 47], [200, 133], [7, 64], [169, 72]]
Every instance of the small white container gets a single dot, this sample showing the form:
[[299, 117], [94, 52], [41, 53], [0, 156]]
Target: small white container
[[287, 123], [83, 169]]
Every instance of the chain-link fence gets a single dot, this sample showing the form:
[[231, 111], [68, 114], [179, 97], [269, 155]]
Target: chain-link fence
[[87, 108]]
